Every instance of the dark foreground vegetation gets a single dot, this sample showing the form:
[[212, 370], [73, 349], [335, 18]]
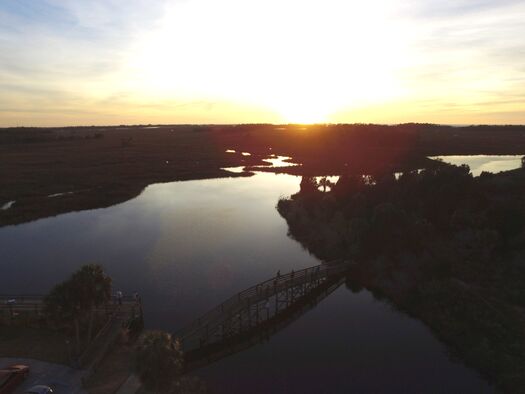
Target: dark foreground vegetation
[[67, 319], [56, 170], [72, 325], [74, 303], [439, 244], [158, 362]]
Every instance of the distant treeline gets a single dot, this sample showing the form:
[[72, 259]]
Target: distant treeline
[[30, 135], [301, 140]]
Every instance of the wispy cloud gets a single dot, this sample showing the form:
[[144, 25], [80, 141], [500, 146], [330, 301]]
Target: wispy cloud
[[187, 60]]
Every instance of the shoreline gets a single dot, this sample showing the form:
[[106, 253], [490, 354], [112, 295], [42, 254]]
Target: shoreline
[[52, 171]]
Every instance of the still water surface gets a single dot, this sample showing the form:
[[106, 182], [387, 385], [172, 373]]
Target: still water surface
[[186, 246], [487, 163]]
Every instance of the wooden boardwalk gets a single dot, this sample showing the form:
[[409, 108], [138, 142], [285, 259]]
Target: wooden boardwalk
[[16, 306], [12, 306], [264, 306]]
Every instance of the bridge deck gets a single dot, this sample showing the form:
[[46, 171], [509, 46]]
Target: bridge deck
[[260, 333], [255, 305]]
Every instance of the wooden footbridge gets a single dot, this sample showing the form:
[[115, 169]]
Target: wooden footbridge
[[257, 312]]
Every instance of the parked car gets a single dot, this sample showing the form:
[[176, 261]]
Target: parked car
[[11, 377], [39, 389]]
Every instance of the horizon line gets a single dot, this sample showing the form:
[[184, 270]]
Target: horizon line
[[264, 124]]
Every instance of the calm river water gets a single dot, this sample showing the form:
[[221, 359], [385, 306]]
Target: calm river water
[[186, 246], [488, 163]]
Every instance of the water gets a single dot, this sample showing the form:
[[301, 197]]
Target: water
[[350, 343], [488, 163], [279, 161], [7, 205], [186, 246], [273, 161], [60, 194]]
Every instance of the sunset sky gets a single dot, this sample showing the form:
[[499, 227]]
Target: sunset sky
[[84, 62]]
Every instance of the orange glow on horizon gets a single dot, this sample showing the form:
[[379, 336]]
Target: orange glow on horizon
[[277, 61]]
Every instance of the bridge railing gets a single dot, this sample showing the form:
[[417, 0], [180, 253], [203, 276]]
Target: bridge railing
[[35, 303], [265, 288], [22, 299], [38, 298]]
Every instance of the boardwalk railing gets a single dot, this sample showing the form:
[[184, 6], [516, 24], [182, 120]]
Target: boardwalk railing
[[14, 305], [256, 305], [262, 332]]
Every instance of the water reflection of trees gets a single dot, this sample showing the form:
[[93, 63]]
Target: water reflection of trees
[[440, 244]]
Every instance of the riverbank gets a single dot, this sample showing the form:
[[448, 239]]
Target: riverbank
[[46, 172], [438, 244], [78, 169]]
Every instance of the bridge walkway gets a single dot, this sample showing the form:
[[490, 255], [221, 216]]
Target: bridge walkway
[[256, 306]]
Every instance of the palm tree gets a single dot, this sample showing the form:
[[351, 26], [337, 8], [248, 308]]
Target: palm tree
[[324, 183], [70, 301], [93, 289], [158, 361], [62, 307]]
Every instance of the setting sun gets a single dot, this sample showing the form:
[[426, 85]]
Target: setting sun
[[302, 110], [301, 61], [233, 61]]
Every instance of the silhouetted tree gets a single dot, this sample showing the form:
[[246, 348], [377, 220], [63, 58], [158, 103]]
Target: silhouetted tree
[[324, 183], [439, 243], [62, 306], [308, 185], [93, 287], [158, 361], [78, 297]]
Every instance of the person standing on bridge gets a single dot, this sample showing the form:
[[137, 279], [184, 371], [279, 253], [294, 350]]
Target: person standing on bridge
[[119, 297], [278, 273]]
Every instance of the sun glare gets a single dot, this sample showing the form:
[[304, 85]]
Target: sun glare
[[300, 117], [303, 110], [271, 61], [301, 60]]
